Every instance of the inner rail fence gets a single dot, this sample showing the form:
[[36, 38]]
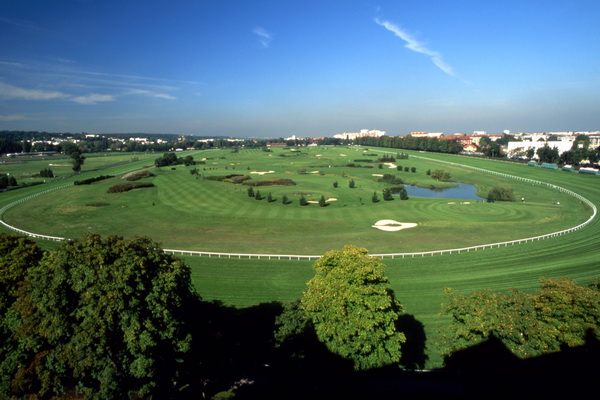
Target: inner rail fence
[[381, 255]]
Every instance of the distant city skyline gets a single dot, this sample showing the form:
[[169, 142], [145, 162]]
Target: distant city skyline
[[309, 69]]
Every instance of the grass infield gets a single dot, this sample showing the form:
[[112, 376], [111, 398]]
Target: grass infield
[[195, 214]]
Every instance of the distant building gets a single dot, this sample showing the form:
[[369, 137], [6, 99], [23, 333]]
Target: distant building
[[426, 134], [362, 133]]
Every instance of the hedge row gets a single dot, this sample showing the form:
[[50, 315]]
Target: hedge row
[[127, 186], [92, 180], [272, 182], [139, 175]]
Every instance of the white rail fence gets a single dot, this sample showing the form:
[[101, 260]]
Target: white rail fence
[[382, 255]]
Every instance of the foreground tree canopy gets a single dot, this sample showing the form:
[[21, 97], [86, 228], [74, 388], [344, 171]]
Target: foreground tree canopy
[[353, 309], [561, 314], [102, 316]]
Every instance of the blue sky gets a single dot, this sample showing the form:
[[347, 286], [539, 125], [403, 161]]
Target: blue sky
[[304, 68]]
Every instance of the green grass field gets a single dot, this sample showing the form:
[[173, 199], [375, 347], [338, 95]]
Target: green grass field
[[186, 213], [197, 219]]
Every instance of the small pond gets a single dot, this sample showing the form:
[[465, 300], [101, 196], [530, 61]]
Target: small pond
[[463, 191]]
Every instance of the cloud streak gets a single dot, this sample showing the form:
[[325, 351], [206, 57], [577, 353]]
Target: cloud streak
[[8, 91], [416, 46], [263, 36]]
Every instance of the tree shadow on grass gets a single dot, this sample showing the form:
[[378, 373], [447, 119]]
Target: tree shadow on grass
[[490, 370]]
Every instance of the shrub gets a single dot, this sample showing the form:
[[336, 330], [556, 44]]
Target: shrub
[[303, 201], [139, 175], [271, 182], [47, 173], [413, 170], [250, 192], [440, 175], [127, 186], [500, 193], [391, 179], [352, 184], [335, 184], [92, 180], [285, 200], [257, 195]]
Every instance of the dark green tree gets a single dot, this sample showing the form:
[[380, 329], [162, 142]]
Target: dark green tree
[[500, 193], [77, 160], [440, 175], [375, 198], [250, 192], [353, 309], [285, 200], [104, 317], [403, 193], [387, 194], [562, 314], [352, 184], [258, 195], [335, 184], [323, 202], [303, 201], [547, 154], [413, 170]]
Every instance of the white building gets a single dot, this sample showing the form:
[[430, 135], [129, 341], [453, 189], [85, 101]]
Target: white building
[[362, 133], [519, 148]]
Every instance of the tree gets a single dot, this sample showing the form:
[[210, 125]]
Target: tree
[[440, 175], [77, 160], [352, 184], [413, 170], [375, 198], [323, 202], [258, 195], [335, 184], [352, 308], [46, 173], [547, 154], [303, 201], [387, 194], [528, 324], [105, 317], [403, 193], [250, 192], [285, 200], [500, 193]]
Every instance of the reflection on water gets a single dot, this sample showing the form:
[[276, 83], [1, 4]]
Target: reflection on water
[[462, 191]]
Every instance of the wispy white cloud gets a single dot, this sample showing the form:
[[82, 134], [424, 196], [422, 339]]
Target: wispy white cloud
[[8, 91], [263, 36], [93, 98], [152, 94], [13, 117], [414, 45]]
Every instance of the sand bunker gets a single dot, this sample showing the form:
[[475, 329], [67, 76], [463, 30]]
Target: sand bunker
[[377, 174], [316, 202], [391, 165], [262, 172], [390, 225]]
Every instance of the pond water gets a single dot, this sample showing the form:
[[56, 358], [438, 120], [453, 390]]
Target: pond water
[[462, 191]]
